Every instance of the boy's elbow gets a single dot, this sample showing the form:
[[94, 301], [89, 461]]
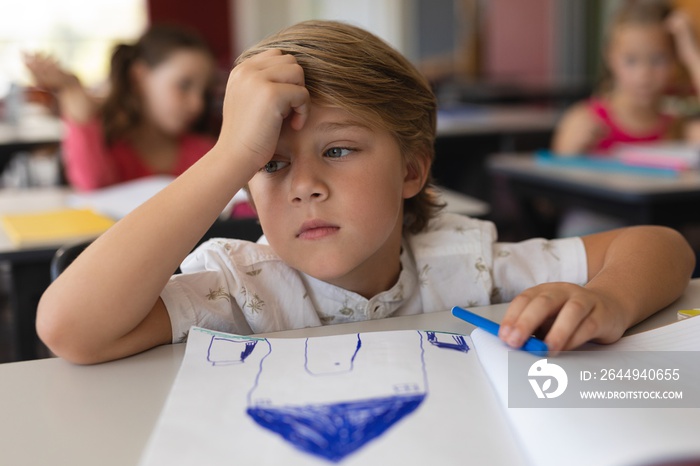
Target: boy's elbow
[[55, 331], [676, 246], [690, 252], [682, 242]]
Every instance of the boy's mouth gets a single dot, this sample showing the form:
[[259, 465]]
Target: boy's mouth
[[314, 229]]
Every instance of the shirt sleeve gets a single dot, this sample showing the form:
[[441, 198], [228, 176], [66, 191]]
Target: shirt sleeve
[[86, 158], [205, 294], [518, 266]]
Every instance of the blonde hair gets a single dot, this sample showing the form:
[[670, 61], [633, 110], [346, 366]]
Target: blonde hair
[[350, 68], [641, 12], [633, 13]]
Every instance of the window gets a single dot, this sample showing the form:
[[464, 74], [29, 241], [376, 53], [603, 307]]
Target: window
[[79, 33]]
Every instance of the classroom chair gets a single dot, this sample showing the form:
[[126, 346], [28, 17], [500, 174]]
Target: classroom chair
[[64, 256]]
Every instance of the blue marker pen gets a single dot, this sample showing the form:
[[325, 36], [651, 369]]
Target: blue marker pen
[[532, 345]]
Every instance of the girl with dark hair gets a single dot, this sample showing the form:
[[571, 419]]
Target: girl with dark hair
[[158, 90]]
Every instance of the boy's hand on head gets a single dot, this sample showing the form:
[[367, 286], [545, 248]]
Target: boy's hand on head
[[261, 93], [569, 315]]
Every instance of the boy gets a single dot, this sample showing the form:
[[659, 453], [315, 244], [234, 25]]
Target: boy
[[332, 132]]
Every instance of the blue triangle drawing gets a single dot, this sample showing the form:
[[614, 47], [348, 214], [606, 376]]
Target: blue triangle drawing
[[333, 431]]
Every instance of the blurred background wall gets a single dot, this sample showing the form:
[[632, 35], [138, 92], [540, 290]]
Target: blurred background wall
[[463, 46]]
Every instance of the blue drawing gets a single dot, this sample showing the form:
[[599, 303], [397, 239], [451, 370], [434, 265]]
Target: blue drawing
[[459, 343], [218, 353], [315, 365], [313, 416], [334, 431]]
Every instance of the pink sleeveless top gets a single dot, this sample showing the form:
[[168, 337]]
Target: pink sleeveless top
[[616, 135]]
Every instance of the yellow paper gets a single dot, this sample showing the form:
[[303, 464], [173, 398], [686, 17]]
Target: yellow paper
[[54, 227]]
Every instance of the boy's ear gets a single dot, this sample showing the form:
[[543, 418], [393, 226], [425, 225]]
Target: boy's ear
[[417, 170]]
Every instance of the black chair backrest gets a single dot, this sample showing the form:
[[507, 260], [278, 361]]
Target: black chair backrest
[[244, 228], [65, 257]]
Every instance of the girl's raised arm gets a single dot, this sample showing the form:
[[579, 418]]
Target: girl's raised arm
[[681, 28], [689, 54], [74, 102]]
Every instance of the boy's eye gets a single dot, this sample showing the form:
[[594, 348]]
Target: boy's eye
[[337, 152], [274, 165]]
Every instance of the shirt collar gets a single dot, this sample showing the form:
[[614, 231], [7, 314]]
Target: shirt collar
[[381, 305]]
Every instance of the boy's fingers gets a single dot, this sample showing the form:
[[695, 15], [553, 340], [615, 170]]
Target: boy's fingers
[[567, 325], [588, 330], [299, 117], [532, 316], [295, 98], [299, 103], [285, 73], [515, 308], [269, 58]]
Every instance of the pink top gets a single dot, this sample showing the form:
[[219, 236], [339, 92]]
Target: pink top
[[91, 164], [616, 135]]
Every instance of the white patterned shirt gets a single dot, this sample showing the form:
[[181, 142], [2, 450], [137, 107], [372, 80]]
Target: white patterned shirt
[[241, 287]]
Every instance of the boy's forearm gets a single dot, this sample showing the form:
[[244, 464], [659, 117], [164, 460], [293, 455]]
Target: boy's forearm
[[644, 270], [110, 293], [111, 288]]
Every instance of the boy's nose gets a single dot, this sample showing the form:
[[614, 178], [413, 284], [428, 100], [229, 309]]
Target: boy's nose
[[307, 183]]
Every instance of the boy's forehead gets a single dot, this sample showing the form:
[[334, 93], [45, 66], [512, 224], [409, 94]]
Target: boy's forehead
[[323, 119], [333, 117], [330, 121]]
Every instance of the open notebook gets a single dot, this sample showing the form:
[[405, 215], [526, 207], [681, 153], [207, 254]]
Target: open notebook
[[403, 397]]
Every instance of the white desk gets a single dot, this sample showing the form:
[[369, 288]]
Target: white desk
[[467, 135], [36, 129], [475, 120], [57, 413], [656, 200], [459, 203], [626, 185]]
